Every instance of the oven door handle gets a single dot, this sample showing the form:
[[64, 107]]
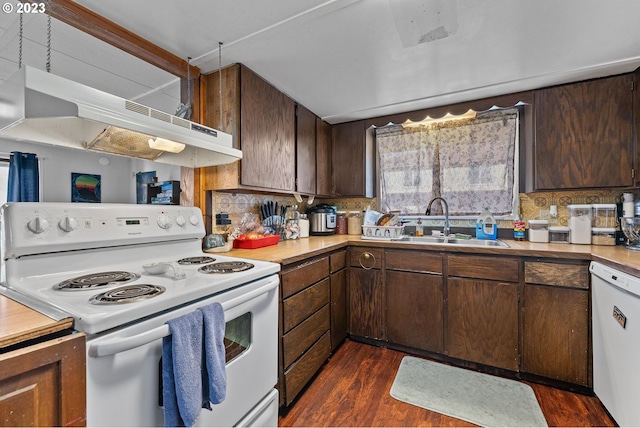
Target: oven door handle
[[117, 345]]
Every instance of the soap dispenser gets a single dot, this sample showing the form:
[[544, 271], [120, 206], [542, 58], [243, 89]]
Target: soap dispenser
[[486, 226]]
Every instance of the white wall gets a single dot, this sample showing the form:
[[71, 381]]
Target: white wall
[[117, 178]]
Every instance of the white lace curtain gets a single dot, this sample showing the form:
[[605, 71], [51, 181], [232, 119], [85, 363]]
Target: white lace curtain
[[470, 163]]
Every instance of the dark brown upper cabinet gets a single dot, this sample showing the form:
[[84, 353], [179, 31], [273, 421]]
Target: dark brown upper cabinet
[[262, 121], [323, 158], [353, 160], [305, 151], [584, 135]]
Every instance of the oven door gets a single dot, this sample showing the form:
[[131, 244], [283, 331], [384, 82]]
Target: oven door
[[124, 367]]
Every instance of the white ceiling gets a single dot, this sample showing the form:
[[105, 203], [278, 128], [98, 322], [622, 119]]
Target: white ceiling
[[347, 59]]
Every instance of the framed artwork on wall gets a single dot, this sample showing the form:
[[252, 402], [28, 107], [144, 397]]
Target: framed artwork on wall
[[85, 187]]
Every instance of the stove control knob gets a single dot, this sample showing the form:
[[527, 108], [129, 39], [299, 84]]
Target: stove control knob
[[164, 221], [38, 225], [194, 220], [68, 224], [180, 220]]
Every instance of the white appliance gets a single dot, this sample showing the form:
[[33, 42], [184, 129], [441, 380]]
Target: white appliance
[[45, 108], [63, 259], [616, 342]]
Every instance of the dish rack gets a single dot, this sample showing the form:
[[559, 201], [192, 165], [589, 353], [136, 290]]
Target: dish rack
[[382, 232]]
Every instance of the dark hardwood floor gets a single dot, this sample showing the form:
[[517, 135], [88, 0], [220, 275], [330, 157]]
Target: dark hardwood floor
[[352, 389]]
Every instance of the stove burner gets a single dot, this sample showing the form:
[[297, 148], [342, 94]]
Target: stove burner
[[96, 280], [127, 294], [196, 260], [225, 267]]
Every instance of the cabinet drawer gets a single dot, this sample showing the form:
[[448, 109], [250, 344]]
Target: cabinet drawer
[[299, 307], [301, 276], [301, 337], [297, 376], [414, 261], [338, 260], [369, 258], [560, 274], [485, 267]]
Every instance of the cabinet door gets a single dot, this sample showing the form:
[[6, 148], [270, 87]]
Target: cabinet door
[[483, 321], [415, 310], [267, 134], [366, 303], [584, 135], [305, 151], [323, 158], [44, 384], [352, 160], [338, 307], [556, 333]]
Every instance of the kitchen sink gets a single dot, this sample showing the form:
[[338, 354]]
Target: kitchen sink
[[441, 240]]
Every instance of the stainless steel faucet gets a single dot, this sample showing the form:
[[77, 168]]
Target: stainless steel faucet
[[447, 229]]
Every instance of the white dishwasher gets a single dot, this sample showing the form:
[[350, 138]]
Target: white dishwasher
[[615, 301]]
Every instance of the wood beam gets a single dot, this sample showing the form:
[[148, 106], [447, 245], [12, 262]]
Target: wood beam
[[108, 31]]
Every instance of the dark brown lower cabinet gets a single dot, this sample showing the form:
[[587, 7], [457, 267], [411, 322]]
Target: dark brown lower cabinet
[[415, 310], [339, 318], [304, 324], [300, 372], [44, 384], [313, 318], [483, 321], [366, 293], [555, 332], [526, 315]]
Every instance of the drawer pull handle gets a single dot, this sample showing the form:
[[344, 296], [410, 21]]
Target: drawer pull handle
[[367, 260]]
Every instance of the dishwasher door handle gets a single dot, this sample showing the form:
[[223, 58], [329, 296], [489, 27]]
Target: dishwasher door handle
[[121, 344]]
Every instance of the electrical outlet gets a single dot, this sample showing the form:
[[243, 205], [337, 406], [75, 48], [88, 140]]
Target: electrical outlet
[[544, 215]]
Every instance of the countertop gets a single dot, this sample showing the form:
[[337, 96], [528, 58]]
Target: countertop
[[287, 252], [20, 323]]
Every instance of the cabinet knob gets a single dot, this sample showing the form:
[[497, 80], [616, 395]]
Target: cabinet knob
[[367, 260]]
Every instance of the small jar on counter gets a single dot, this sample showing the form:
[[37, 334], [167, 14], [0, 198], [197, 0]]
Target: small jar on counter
[[539, 230], [580, 219], [603, 236], [559, 234], [341, 223], [354, 223], [604, 216], [303, 223]]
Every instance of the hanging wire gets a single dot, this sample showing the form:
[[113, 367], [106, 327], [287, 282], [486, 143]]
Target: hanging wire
[[20, 43], [220, 80], [189, 82], [48, 66]]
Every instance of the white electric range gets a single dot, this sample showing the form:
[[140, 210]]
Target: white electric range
[[121, 271]]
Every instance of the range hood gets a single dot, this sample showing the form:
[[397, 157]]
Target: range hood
[[40, 107]]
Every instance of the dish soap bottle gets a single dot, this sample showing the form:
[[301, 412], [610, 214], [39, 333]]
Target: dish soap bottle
[[486, 227], [419, 228]]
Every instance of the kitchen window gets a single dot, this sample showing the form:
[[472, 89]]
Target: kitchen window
[[471, 163]]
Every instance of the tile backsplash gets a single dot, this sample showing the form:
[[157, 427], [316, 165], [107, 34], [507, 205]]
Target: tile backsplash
[[534, 206], [237, 204]]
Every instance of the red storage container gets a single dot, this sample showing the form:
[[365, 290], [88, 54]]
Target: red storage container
[[256, 243]]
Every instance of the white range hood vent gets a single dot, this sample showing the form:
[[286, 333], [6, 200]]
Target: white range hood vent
[[40, 107]]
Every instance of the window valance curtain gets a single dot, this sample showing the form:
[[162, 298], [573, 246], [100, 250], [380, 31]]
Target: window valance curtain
[[470, 163]]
